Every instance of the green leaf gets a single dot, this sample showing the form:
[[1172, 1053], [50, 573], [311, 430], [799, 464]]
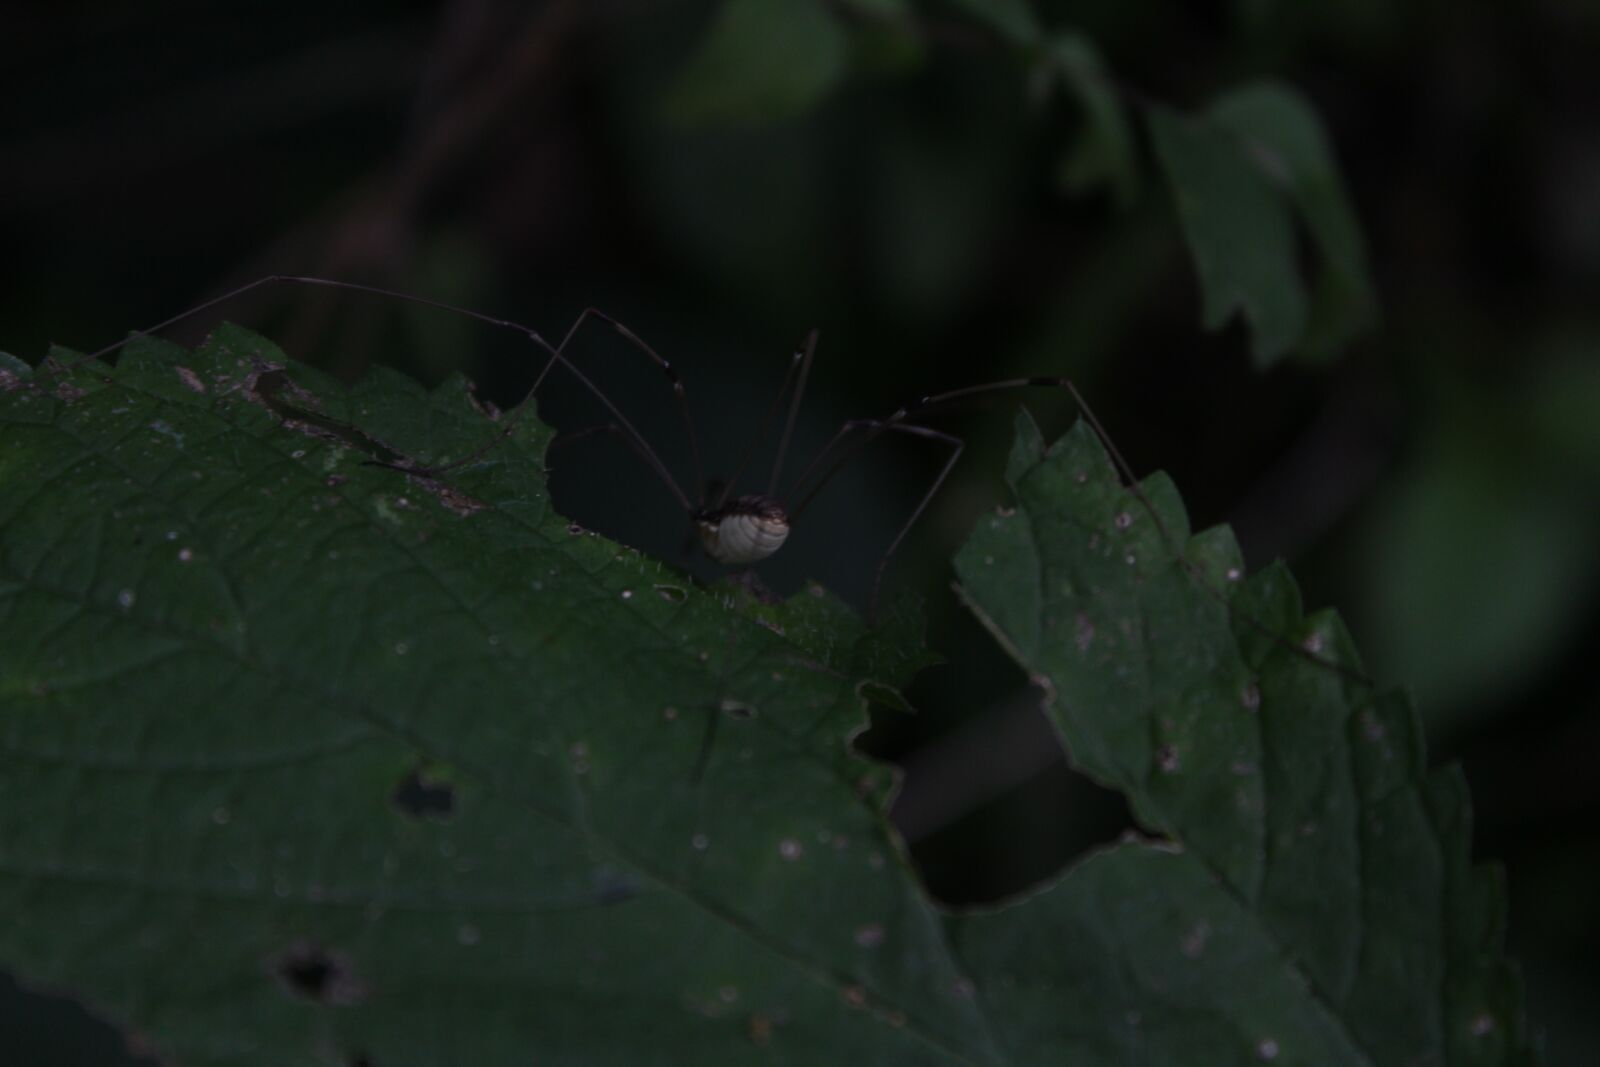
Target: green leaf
[[1481, 509], [1239, 229], [1244, 729], [761, 60], [1240, 174], [226, 642], [1104, 153], [1286, 137], [308, 759]]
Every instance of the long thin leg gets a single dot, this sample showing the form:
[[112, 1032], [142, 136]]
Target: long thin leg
[[921, 406], [623, 425], [956, 447], [1124, 470], [885, 426], [575, 436], [867, 430], [801, 364], [328, 283], [798, 507], [662, 364], [564, 439], [556, 354], [794, 412]]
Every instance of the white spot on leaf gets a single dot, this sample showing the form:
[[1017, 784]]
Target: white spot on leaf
[[870, 935]]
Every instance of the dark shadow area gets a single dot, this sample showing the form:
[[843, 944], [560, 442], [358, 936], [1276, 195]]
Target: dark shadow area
[[42, 1030]]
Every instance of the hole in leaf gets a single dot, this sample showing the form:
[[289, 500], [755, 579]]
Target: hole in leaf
[[308, 970], [424, 797]]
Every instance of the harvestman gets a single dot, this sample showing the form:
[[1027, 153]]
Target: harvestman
[[733, 530]]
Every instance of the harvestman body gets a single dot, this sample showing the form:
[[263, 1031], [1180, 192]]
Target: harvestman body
[[736, 531]]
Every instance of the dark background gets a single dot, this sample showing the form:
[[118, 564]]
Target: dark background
[[1438, 481]]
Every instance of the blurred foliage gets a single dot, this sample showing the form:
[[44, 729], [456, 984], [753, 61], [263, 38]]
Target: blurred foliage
[[1239, 174], [1435, 475], [1104, 151], [761, 60]]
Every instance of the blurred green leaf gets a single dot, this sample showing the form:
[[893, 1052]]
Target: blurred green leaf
[[1239, 174], [1239, 229], [1287, 139], [231, 649], [761, 60], [1488, 507], [1104, 153], [1244, 729], [1457, 526], [936, 205]]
